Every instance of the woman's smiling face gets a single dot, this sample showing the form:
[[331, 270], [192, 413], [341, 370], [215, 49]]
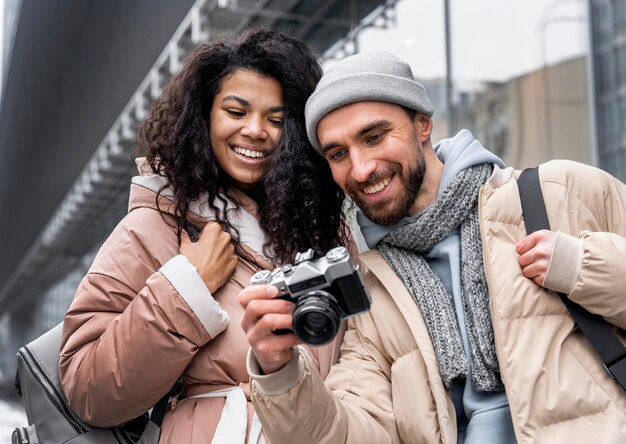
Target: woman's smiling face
[[245, 123]]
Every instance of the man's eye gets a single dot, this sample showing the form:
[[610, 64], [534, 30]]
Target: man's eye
[[375, 138], [336, 155]]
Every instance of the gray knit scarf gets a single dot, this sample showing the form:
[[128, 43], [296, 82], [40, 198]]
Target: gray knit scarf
[[403, 249]]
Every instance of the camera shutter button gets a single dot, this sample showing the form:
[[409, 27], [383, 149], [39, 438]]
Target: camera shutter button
[[336, 254], [260, 277]]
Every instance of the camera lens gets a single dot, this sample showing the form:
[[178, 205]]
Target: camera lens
[[316, 317]]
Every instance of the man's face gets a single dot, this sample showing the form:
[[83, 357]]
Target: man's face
[[375, 154]]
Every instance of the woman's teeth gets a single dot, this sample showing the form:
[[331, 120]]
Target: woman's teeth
[[249, 153]]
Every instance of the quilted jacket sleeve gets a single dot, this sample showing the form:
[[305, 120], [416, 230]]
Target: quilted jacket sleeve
[[295, 405], [138, 318], [601, 285], [595, 255]]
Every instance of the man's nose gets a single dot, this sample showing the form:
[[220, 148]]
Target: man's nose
[[363, 165]]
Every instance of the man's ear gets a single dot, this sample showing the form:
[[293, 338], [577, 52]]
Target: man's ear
[[424, 125]]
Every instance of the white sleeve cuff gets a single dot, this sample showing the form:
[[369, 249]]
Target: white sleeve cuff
[[279, 382], [565, 264], [185, 279]]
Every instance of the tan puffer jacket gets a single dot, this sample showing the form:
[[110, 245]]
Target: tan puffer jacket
[[386, 387]]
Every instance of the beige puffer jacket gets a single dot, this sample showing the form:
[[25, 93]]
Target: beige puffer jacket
[[386, 387], [142, 315]]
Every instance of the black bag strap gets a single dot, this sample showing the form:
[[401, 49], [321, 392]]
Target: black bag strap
[[597, 331], [158, 411]]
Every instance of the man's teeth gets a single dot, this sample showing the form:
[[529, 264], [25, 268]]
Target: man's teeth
[[377, 187], [248, 153]]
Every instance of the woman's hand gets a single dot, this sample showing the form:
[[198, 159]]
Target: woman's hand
[[213, 255]]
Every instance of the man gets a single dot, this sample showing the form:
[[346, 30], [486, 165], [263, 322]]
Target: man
[[464, 342]]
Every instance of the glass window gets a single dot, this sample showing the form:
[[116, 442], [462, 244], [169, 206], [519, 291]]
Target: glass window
[[606, 72], [619, 16], [606, 127], [614, 160], [620, 54]]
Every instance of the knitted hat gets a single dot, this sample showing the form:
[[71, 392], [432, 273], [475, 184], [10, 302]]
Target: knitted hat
[[374, 76]]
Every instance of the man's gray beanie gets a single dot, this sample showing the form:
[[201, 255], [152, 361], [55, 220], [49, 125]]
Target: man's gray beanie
[[373, 76]]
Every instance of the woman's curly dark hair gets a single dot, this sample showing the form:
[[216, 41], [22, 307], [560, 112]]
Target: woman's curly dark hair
[[300, 206]]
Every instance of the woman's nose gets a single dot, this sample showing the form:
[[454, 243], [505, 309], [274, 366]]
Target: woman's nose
[[254, 128]]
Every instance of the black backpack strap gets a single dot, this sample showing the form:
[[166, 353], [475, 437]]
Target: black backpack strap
[[597, 331], [158, 411]]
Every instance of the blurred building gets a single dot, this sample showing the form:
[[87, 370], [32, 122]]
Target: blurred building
[[608, 36], [80, 76], [532, 118]]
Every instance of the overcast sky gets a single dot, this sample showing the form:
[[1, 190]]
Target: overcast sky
[[491, 39]]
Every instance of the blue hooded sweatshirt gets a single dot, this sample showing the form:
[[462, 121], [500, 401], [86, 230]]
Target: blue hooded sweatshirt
[[482, 418]]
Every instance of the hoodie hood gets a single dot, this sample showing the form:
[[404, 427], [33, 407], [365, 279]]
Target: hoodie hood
[[457, 154], [461, 152]]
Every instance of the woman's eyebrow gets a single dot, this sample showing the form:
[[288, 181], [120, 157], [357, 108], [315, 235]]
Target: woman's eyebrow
[[244, 102], [241, 100]]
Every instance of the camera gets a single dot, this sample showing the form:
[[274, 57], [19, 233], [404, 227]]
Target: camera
[[325, 290]]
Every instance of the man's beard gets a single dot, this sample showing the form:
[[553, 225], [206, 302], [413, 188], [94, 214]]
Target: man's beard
[[394, 208]]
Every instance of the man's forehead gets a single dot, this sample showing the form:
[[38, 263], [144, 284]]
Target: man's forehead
[[353, 118]]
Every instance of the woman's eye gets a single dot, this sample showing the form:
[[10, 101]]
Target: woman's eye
[[276, 122], [235, 112]]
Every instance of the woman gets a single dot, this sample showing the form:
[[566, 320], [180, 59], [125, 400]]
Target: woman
[[226, 154]]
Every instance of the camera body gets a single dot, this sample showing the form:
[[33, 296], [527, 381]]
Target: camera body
[[325, 290]]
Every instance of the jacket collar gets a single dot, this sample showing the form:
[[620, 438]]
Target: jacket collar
[[145, 186]]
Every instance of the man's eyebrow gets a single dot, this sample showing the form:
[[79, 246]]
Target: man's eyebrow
[[376, 124], [328, 147]]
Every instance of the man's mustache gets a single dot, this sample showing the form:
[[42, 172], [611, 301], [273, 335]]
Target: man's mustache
[[374, 178]]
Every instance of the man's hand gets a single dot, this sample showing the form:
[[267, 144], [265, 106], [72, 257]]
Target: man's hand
[[213, 255], [535, 251], [263, 315]]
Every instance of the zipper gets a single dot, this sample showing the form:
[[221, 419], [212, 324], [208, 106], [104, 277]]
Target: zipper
[[52, 393]]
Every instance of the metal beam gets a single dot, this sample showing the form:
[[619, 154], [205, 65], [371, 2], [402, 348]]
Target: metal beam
[[319, 12], [259, 12]]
